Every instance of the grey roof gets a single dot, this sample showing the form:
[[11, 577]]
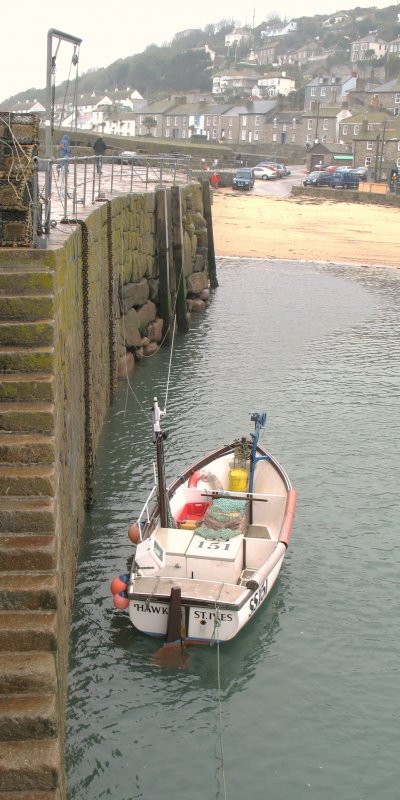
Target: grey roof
[[390, 86]]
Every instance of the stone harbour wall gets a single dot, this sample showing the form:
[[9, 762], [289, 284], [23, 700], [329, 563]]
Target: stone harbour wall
[[72, 318]]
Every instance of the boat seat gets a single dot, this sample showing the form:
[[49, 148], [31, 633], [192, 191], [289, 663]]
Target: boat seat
[[257, 532]]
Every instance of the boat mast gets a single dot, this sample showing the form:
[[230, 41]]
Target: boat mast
[[158, 438]]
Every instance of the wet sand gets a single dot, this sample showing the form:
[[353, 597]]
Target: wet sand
[[305, 229]]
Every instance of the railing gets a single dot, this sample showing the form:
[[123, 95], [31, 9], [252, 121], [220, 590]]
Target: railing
[[63, 186]]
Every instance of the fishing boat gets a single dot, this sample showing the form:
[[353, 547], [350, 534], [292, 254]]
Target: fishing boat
[[209, 547]]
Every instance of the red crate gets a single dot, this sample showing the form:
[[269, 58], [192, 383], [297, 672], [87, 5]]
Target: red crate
[[194, 511]]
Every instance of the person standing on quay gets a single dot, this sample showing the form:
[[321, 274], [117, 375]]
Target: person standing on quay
[[99, 148]]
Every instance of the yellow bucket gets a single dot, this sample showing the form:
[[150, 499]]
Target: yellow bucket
[[237, 480]]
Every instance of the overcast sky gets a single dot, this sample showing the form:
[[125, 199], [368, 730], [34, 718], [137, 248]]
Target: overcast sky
[[119, 31]]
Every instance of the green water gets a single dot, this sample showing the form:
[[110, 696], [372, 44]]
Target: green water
[[305, 702]]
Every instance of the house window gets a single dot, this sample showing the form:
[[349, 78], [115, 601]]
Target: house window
[[309, 138], [364, 46], [244, 121], [398, 162], [398, 145], [324, 138], [208, 121], [274, 137], [176, 121], [256, 136], [313, 91], [167, 133], [183, 134], [230, 122], [310, 125], [284, 127], [368, 160], [356, 129], [323, 91], [230, 135], [243, 136], [214, 133], [293, 138], [345, 129], [184, 120], [257, 121], [168, 122], [215, 120], [370, 145], [397, 98], [325, 125], [275, 122], [396, 112]]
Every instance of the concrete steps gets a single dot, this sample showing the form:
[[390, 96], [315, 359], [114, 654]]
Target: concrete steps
[[29, 748]]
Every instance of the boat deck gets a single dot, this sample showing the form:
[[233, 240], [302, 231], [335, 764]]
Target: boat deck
[[194, 590]]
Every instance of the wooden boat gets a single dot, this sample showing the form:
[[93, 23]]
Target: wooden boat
[[209, 547]]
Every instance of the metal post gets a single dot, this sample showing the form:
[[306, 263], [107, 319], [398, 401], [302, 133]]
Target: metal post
[[51, 63]]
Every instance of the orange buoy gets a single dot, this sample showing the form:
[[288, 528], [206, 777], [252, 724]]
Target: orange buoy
[[134, 533], [119, 584], [121, 601]]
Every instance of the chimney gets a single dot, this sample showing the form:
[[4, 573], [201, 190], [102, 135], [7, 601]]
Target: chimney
[[345, 104]]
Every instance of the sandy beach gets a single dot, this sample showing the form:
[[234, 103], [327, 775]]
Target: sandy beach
[[306, 229]]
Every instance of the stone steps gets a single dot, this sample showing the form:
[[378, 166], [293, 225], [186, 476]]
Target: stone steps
[[30, 758], [31, 515], [27, 480], [29, 766], [27, 388], [27, 417], [27, 359], [28, 630], [32, 552], [26, 307], [40, 332], [28, 592], [27, 449], [27, 717], [27, 673], [33, 281]]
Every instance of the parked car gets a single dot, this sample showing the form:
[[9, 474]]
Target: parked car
[[265, 173], [317, 178], [362, 173], [345, 179], [279, 168], [243, 179]]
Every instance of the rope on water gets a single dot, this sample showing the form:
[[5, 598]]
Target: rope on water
[[221, 749]]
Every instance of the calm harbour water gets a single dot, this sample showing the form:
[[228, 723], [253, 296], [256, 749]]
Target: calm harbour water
[[310, 689]]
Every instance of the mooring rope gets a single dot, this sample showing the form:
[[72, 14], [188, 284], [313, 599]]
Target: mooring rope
[[221, 749]]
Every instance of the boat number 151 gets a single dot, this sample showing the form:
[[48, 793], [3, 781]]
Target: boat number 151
[[213, 545]]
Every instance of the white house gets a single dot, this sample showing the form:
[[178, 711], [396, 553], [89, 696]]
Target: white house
[[273, 85], [239, 37], [279, 30]]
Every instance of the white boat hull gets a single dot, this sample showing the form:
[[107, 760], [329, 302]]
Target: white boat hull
[[202, 575]]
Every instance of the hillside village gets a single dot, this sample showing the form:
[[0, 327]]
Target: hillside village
[[330, 82]]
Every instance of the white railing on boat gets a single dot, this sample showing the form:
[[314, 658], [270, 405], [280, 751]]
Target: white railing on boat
[[145, 511]]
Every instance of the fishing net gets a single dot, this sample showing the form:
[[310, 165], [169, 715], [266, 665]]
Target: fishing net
[[223, 534], [225, 514]]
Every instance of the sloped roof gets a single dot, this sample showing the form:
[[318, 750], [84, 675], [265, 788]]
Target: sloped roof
[[390, 86]]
